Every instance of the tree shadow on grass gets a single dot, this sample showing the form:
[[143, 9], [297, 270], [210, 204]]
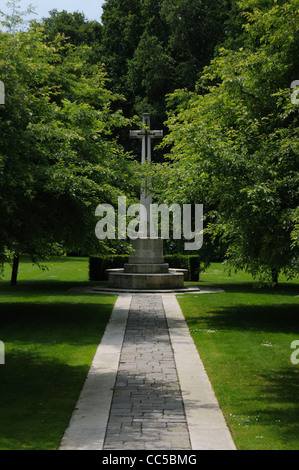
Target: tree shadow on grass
[[59, 322], [39, 386], [290, 288], [279, 403], [283, 318], [45, 286], [37, 396]]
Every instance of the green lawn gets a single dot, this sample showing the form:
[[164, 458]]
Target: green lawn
[[244, 338], [50, 336]]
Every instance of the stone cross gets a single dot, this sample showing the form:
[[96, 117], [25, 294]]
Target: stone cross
[[146, 135]]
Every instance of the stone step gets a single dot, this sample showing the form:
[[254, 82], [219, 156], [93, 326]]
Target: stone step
[[146, 268], [121, 280]]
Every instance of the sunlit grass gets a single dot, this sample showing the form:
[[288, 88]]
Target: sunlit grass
[[244, 338], [50, 335]]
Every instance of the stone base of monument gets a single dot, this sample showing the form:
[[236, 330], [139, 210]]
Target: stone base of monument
[[146, 269], [162, 268], [119, 279]]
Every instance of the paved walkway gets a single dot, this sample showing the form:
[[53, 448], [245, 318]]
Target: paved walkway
[[147, 387]]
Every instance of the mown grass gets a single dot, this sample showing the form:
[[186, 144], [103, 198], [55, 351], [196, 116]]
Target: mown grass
[[244, 338], [50, 335]]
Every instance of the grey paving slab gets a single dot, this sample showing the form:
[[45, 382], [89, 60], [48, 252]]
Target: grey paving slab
[[147, 410], [147, 387]]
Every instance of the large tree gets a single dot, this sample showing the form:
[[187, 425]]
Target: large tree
[[152, 47], [58, 159], [75, 29], [195, 27], [122, 28], [235, 146]]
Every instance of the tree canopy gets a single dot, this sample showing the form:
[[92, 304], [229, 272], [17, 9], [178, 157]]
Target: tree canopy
[[235, 143], [152, 47], [217, 75], [58, 157], [75, 29]]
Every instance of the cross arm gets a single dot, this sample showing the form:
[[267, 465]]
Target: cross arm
[[137, 134], [140, 134], [156, 134]]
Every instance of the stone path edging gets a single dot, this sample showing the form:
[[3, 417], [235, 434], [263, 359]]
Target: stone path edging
[[88, 424], [206, 424]]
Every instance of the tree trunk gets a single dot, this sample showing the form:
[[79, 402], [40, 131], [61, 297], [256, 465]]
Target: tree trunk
[[275, 273], [14, 273]]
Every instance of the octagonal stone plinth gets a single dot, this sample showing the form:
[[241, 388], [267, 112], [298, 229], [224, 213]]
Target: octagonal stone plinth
[[119, 279], [146, 269]]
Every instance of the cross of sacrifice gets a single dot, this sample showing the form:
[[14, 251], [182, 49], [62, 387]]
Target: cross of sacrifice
[[146, 134]]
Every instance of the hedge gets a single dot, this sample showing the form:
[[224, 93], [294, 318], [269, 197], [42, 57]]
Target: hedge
[[98, 265]]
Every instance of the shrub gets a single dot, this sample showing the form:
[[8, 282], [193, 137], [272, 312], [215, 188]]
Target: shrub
[[98, 266], [190, 262]]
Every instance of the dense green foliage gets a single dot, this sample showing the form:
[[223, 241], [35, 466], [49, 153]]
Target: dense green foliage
[[244, 337], [220, 73], [234, 147], [152, 47], [58, 157], [75, 29]]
